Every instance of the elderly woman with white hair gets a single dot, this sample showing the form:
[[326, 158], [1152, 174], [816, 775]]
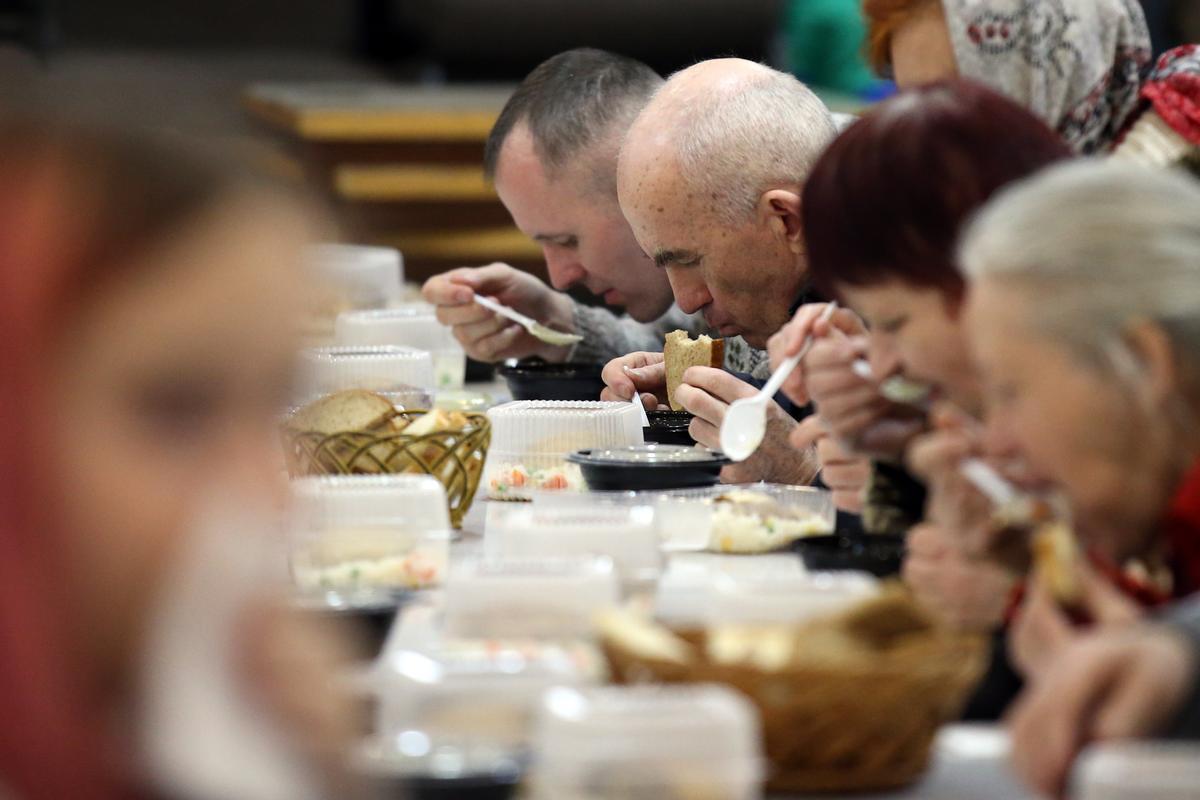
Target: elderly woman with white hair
[[1084, 319]]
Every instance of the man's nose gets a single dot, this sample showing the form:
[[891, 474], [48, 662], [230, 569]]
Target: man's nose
[[884, 358], [691, 294], [564, 268]]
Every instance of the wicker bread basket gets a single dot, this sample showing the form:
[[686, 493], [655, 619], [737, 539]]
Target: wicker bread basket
[[840, 726], [453, 457]]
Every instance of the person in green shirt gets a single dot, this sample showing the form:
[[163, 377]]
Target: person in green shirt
[[823, 46]]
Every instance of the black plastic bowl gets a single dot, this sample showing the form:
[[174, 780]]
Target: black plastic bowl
[[537, 380], [881, 556], [604, 475], [669, 427], [484, 787]]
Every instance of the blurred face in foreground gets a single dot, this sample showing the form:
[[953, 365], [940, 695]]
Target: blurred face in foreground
[[167, 380]]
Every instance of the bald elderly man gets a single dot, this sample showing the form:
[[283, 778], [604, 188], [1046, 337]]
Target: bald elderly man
[[709, 178], [552, 155]]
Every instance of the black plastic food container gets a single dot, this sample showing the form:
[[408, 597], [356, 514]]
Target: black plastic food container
[[537, 380]]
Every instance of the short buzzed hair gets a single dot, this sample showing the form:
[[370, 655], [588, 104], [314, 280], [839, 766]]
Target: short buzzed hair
[[569, 102], [734, 143]]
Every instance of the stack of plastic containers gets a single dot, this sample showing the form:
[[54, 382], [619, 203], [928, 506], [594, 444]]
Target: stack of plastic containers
[[627, 535], [351, 277], [415, 326], [531, 440], [540, 597], [668, 743], [701, 593], [455, 717], [357, 535], [402, 374], [480, 690]]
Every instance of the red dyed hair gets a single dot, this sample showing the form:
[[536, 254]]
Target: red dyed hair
[[76, 206], [887, 199], [884, 17]]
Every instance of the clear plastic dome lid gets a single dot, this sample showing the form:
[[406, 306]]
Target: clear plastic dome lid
[[370, 277], [362, 534], [643, 726], [328, 502], [513, 597], [388, 369], [559, 427], [414, 325]]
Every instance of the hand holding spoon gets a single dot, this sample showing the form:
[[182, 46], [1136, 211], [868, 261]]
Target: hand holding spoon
[[536, 329], [745, 421]]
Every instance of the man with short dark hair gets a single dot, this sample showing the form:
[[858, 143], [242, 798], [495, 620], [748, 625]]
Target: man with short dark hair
[[553, 157]]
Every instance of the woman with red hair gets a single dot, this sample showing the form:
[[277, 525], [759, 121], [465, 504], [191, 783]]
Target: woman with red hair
[[145, 343], [882, 211]]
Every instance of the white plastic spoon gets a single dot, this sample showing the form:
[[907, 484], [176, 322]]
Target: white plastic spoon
[[536, 329], [745, 422]]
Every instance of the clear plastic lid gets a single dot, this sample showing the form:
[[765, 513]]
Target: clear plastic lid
[[675, 741], [413, 325], [559, 427], [627, 535], [368, 533], [652, 454], [387, 370], [475, 690], [528, 597], [687, 587], [1145, 770], [368, 277], [410, 325], [746, 518], [786, 599]]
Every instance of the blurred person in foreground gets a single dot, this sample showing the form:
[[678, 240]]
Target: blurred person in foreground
[[147, 343], [1084, 319], [1077, 64], [710, 176], [552, 155], [883, 208]]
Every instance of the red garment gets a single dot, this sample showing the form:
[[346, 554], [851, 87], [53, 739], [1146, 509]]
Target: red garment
[[1179, 531], [1181, 535], [53, 742], [1173, 90]]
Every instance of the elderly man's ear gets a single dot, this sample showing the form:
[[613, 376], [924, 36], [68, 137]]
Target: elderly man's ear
[[780, 209]]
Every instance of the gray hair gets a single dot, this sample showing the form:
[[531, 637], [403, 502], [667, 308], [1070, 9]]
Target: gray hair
[[737, 142], [572, 101], [1101, 245]]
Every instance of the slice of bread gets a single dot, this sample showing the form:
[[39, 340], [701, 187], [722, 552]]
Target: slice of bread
[[1056, 557], [681, 351], [353, 410]]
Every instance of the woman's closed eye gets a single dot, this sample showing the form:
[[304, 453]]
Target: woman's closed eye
[[891, 325]]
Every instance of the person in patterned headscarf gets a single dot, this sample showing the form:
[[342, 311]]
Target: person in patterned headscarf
[[1078, 64]]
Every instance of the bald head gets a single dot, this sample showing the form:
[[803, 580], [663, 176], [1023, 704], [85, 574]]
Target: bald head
[[732, 129], [709, 178]]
